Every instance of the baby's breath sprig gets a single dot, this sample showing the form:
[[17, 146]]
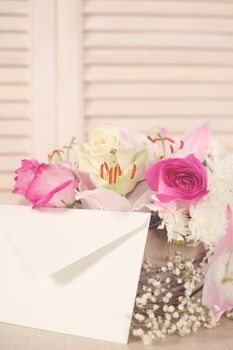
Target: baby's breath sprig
[[168, 300], [229, 314]]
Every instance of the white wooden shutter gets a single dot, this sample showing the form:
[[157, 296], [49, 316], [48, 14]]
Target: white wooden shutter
[[151, 62], [67, 65], [15, 124], [28, 86]]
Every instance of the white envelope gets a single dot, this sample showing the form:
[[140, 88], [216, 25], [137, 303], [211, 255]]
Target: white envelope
[[71, 271]]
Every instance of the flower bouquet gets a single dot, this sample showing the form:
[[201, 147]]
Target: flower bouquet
[[187, 185]]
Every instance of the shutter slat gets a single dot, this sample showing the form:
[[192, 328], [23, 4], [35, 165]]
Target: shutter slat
[[14, 128], [135, 108], [162, 40], [14, 92], [9, 163], [6, 181], [14, 57], [19, 75], [14, 110], [166, 24], [145, 91], [157, 56], [158, 74], [14, 7], [15, 145], [14, 40], [14, 23], [161, 8]]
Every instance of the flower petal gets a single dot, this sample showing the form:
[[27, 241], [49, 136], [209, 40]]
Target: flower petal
[[196, 141], [25, 175], [60, 196], [140, 196], [103, 199], [218, 287], [48, 179]]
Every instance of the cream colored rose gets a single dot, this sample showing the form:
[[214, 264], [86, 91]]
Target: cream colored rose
[[109, 164], [103, 139]]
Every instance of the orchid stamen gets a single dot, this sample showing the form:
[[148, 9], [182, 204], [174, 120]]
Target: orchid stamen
[[133, 171], [169, 139], [119, 170], [172, 149], [181, 144], [56, 152], [106, 167], [110, 178], [115, 174], [154, 140], [102, 171]]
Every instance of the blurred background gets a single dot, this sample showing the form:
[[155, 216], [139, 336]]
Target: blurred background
[[67, 65]]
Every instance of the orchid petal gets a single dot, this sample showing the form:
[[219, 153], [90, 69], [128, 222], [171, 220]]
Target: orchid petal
[[140, 196], [218, 287], [195, 141], [85, 182], [103, 199]]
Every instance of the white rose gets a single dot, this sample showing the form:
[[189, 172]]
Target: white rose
[[103, 139], [109, 164]]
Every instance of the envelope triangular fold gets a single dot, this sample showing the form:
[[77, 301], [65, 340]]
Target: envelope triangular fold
[[71, 271], [51, 239]]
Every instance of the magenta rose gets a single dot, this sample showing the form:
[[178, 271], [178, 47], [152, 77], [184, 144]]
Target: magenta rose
[[175, 179], [46, 185]]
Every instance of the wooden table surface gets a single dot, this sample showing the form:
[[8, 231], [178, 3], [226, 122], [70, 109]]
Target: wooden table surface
[[21, 338]]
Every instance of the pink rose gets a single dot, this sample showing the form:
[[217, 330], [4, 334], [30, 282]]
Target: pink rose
[[47, 185], [25, 175], [174, 179]]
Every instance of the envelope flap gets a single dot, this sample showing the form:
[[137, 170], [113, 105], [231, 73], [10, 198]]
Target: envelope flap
[[51, 239]]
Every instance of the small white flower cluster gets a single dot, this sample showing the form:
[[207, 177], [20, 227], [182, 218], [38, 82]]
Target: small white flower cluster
[[229, 314], [166, 303], [208, 221], [177, 225], [208, 217]]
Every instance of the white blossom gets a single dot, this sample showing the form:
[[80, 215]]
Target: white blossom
[[176, 225]]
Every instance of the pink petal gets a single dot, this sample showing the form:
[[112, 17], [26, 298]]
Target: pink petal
[[103, 199], [166, 198], [25, 175], [85, 182], [217, 293], [196, 141], [140, 196], [49, 180], [133, 139], [46, 179], [152, 175], [138, 141], [59, 197]]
